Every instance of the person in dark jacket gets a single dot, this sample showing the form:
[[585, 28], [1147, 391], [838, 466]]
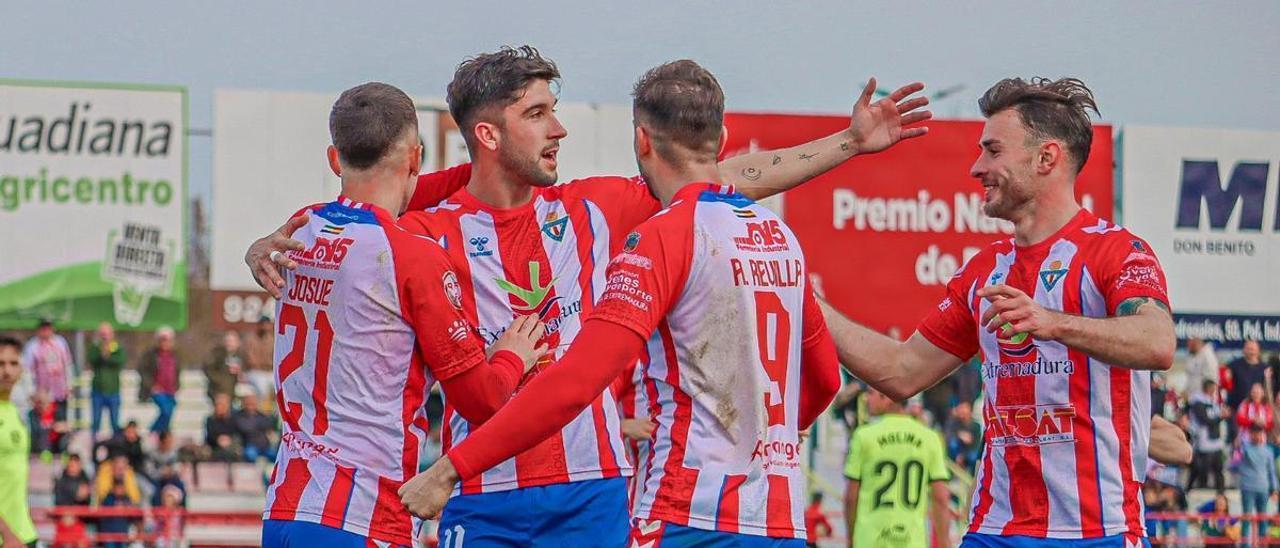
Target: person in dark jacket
[[158, 374], [220, 431], [225, 365], [256, 429], [73, 487]]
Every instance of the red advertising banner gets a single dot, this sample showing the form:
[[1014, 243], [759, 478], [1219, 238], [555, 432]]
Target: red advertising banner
[[884, 233]]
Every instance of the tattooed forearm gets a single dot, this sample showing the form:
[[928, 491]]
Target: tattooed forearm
[[1129, 307], [751, 173]]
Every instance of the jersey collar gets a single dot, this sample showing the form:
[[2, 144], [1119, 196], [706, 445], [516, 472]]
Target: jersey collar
[[691, 191]]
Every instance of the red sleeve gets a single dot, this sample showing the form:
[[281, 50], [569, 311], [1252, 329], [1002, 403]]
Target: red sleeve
[[625, 202], [951, 326], [480, 391], [1127, 269], [555, 396], [649, 275], [819, 367], [435, 187], [431, 301]]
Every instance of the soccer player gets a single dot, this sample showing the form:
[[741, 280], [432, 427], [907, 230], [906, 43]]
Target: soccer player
[[369, 320], [1070, 316], [523, 245], [897, 469], [714, 289], [16, 528]]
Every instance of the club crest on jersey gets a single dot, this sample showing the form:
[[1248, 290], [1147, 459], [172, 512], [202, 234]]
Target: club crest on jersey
[[452, 290], [1051, 275], [762, 237], [478, 244], [633, 240], [1137, 246], [555, 225]]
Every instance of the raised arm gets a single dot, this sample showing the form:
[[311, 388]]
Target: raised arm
[[898, 369], [873, 127]]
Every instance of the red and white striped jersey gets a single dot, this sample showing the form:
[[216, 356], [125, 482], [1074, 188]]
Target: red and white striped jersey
[[547, 257], [716, 283], [370, 318], [1066, 435], [633, 403]]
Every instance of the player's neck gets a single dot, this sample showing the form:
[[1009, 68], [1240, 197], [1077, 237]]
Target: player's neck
[[495, 186], [1044, 216], [373, 187], [665, 179]]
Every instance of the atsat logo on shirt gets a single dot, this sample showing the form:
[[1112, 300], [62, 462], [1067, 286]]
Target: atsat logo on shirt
[[452, 290], [324, 253], [1031, 424], [764, 237]]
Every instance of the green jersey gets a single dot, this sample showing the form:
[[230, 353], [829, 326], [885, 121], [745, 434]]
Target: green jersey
[[895, 459], [15, 446]]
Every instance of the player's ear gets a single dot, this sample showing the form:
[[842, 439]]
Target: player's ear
[[643, 144], [486, 135], [1049, 156], [335, 160], [724, 140]]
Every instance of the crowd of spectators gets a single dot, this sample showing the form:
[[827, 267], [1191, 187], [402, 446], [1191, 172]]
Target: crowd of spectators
[[110, 463]]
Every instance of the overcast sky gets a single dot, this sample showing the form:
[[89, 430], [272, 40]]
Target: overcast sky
[[1210, 64]]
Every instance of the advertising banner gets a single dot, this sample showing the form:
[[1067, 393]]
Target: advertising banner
[[93, 195], [1206, 200]]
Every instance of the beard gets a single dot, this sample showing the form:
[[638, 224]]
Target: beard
[[528, 169], [1010, 197]]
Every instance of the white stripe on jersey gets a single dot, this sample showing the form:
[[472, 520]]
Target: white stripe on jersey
[[1000, 511], [1064, 497], [1106, 441]]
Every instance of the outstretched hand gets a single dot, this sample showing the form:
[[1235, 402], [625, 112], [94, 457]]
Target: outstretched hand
[[877, 126]]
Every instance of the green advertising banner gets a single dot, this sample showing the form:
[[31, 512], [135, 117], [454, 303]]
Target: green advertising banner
[[93, 198]]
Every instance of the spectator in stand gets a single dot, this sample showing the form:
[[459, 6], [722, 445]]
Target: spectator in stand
[[1273, 363], [815, 521], [220, 431], [259, 351], [1201, 365], [1208, 441], [50, 432], [169, 520], [964, 436], [106, 359], [47, 357], [1216, 522], [118, 497], [225, 364], [165, 454], [168, 478], [1256, 411], [257, 430], [158, 372], [113, 472], [72, 488], [1245, 371], [1256, 469], [1158, 392], [128, 443]]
